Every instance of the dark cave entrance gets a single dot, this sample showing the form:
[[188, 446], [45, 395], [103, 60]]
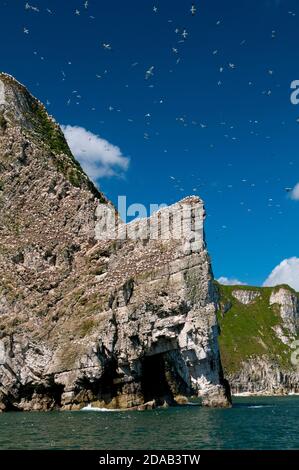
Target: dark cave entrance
[[155, 381]]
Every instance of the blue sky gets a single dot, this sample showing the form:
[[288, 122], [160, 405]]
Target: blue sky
[[215, 118]]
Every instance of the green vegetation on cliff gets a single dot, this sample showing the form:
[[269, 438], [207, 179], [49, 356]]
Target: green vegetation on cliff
[[23, 109], [51, 134], [246, 330]]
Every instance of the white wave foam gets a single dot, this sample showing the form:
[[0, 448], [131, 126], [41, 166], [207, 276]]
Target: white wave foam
[[259, 406], [94, 408]]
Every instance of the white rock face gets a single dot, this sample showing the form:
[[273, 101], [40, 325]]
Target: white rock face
[[162, 308], [157, 333], [282, 336], [246, 297], [2, 93], [288, 306], [261, 376], [2, 353], [17, 103], [13, 100]]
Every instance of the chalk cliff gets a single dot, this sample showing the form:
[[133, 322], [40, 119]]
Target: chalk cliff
[[92, 310]]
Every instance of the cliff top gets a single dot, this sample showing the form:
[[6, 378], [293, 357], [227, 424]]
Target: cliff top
[[21, 114]]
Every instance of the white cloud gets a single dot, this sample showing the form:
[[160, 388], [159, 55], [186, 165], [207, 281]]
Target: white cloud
[[230, 281], [287, 272], [97, 156], [294, 194]]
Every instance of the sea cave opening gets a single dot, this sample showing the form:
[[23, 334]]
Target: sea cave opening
[[158, 382]]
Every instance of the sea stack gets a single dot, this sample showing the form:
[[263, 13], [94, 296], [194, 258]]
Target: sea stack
[[116, 317]]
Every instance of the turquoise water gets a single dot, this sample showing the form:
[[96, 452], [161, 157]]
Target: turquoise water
[[252, 423]]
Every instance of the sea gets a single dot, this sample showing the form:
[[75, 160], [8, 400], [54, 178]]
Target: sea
[[252, 423]]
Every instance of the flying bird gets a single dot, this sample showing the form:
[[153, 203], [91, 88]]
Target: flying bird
[[31, 7], [193, 10], [149, 73]]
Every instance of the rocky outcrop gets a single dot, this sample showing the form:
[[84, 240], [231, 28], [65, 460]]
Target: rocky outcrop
[[288, 304], [259, 339], [245, 296], [263, 376], [92, 310]]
